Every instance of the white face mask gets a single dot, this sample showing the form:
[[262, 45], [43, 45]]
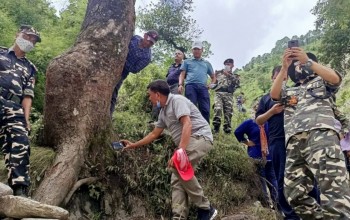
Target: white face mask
[[227, 68], [24, 45]]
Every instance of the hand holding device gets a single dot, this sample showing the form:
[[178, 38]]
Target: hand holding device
[[293, 43], [117, 145]]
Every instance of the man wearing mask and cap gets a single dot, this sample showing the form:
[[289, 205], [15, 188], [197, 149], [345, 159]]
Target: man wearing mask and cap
[[17, 79], [197, 71], [223, 100], [312, 142], [139, 56]]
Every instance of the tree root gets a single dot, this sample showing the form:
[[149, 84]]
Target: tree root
[[77, 185]]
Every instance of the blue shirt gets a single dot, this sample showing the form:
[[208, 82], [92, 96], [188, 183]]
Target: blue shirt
[[173, 74], [276, 122], [197, 70], [252, 130], [137, 58]]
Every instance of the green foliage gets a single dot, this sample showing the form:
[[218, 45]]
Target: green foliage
[[256, 75], [57, 33], [176, 28], [333, 19], [133, 94], [7, 25], [40, 159]]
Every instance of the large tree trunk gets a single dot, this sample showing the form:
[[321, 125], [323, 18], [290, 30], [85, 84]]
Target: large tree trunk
[[78, 92]]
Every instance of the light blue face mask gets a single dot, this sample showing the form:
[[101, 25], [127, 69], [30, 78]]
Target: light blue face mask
[[158, 104]]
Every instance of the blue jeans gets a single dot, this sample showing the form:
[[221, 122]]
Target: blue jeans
[[125, 74], [198, 94], [268, 177]]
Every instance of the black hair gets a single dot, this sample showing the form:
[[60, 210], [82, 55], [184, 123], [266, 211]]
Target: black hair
[[312, 56], [160, 86], [183, 52], [276, 69]]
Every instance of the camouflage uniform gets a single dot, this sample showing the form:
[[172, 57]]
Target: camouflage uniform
[[313, 152], [16, 81], [223, 100]]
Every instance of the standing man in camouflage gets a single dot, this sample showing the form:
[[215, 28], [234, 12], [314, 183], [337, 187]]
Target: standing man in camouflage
[[313, 148], [223, 100], [17, 78]]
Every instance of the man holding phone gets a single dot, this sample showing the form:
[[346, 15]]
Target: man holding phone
[[192, 134], [312, 142], [223, 100]]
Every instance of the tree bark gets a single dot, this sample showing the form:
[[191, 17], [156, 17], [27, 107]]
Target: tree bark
[[19, 207], [79, 87]]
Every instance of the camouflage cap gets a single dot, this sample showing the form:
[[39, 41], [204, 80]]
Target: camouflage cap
[[27, 29]]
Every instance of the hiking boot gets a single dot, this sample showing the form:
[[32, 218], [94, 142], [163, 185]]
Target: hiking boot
[[207, 214], [227, 131], [216, 129], [20, 190]]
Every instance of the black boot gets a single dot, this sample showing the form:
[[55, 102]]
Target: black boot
[[20, 190], [216, 129]]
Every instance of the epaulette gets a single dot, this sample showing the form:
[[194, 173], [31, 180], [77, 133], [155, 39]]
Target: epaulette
[[32, 64], [3, 49]]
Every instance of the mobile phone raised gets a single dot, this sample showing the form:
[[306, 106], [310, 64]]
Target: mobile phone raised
[[293, 43], [117, 145]]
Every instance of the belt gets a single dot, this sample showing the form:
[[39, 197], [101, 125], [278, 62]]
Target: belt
[[222, 90], [6, 94]]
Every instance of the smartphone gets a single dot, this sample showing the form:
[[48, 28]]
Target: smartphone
[[117, 145], [293, 43]]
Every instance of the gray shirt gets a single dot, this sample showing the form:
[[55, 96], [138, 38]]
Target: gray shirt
[[176, 107]]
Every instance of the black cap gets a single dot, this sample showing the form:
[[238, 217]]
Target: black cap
[[229, 60]]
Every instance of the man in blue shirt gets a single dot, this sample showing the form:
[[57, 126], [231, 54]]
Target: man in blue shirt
[[250, 129], [196, 71], [139, 56], [172, 77]]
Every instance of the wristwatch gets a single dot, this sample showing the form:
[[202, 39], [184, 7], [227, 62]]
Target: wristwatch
[[308, 64]]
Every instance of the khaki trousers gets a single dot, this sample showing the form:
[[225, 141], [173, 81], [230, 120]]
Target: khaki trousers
[[183, 191]]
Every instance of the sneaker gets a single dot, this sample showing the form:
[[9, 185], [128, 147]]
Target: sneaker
[[212, 213], [207, 214], [203, 214]]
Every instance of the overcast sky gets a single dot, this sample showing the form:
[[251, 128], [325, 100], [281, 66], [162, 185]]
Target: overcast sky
[[242, 29]]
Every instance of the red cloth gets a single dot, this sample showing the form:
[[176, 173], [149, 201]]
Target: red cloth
[[263, 141]]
